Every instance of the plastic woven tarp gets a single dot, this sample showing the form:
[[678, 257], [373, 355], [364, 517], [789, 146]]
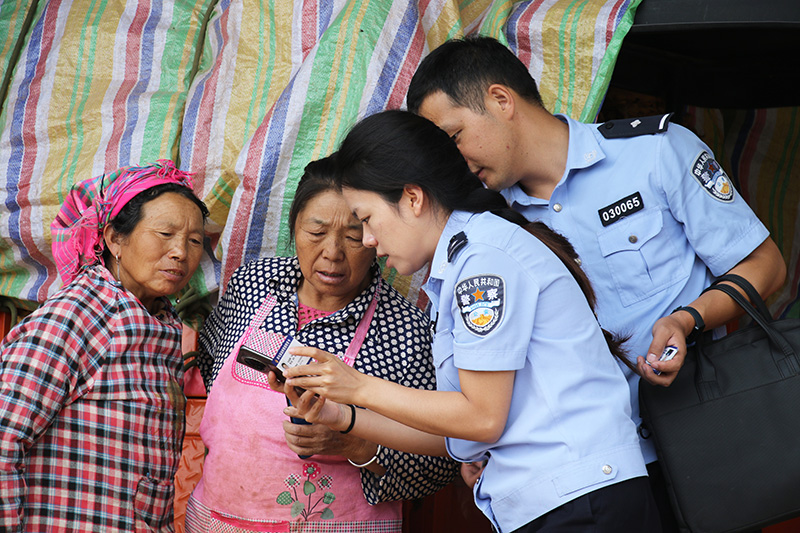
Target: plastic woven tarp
[[242, 93]]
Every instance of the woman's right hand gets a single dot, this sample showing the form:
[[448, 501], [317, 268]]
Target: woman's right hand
[[318, 439], [329, 376]]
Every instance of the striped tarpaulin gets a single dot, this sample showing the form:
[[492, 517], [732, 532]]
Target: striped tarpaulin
[[244, 94], [348, 59], [98, 85]]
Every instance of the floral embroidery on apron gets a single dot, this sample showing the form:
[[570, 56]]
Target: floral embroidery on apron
[[302, 494]]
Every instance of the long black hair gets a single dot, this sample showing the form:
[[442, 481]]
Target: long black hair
[[387, 151]]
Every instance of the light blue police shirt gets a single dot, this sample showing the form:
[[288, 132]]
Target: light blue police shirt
[[505, 302], [654, 220]]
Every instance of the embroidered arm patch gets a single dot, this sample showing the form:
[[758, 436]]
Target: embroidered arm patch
[[481, 300], [713, 179]]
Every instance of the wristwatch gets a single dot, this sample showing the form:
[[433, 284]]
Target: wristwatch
[[699, 325]]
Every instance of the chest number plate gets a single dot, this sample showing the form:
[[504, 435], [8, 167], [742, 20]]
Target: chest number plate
[[621, 208]]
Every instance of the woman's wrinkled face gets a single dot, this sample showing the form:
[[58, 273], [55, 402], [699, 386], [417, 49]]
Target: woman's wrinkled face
[[332, 258], [162, 252]]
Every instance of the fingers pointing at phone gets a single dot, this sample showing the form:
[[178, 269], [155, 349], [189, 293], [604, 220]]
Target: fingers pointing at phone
[[329, 376]]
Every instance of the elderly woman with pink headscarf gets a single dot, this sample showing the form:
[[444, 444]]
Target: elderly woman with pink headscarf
[[91, 401]]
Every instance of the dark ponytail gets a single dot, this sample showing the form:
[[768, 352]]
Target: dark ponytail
[[562, 248], [389, 150]]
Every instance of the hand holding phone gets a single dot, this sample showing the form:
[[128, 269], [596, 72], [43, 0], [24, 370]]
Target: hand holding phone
[[275, 357], [668, 354], [296, 420]]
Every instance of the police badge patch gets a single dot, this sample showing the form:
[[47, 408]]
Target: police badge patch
[[481, 300], [710, 175]]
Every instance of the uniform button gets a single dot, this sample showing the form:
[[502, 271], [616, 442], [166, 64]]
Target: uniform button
[[632, 239], [557, 208], [609, 125], [607, 469]]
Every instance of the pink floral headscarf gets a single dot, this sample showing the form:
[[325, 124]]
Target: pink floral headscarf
[[78, 227]]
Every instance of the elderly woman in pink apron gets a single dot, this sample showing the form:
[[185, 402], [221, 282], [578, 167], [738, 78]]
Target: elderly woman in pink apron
[[263, 471]]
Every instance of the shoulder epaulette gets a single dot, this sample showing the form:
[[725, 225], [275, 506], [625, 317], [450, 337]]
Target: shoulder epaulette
[[457, 242], [633, 127]]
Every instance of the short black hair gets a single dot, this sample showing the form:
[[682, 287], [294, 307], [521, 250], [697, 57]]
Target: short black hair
[[318, 177], [463, 69]]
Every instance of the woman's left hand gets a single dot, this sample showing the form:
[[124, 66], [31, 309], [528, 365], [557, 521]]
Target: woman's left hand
[[318, 439], [274, 384], [329, 377]]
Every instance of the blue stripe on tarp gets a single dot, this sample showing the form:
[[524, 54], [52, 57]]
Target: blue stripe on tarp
[[324, 17], [190, 117], [394, 60], [269, 165], [146, 58], [16, 141]]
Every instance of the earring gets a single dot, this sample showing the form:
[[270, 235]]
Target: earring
[[118, 278]]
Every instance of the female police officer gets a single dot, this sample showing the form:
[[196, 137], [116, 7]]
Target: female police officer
[[526, 379]]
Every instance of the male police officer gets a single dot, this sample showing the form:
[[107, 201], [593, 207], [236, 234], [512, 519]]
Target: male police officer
[[651, 214]]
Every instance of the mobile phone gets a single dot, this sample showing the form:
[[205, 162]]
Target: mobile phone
[[276, 359], [262, 362], [668, 353], [258, 361]]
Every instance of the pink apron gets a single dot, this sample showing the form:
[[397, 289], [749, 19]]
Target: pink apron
[[251, 480]]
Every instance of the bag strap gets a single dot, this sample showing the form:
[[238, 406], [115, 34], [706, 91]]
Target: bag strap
[[748, 289], [787, 365]]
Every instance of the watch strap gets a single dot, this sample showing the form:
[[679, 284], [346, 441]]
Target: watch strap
[[699, 325]]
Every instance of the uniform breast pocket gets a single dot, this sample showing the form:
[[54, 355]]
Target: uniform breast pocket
[[446, 371], [641, 259]]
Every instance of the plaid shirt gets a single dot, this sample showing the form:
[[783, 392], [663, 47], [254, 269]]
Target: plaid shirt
[[91, 413]]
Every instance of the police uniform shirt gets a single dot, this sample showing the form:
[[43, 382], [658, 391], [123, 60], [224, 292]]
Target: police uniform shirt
[[504, 302], [653, 218]]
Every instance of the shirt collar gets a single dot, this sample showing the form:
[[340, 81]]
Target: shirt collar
[[284, 278], [455, 223], [583, 151], [164, 311]]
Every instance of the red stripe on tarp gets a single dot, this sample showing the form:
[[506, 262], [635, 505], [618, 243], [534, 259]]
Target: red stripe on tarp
[[133, 51], [250, 178]]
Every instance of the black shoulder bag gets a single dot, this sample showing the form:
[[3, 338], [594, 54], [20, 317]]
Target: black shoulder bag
[[727, 431]]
